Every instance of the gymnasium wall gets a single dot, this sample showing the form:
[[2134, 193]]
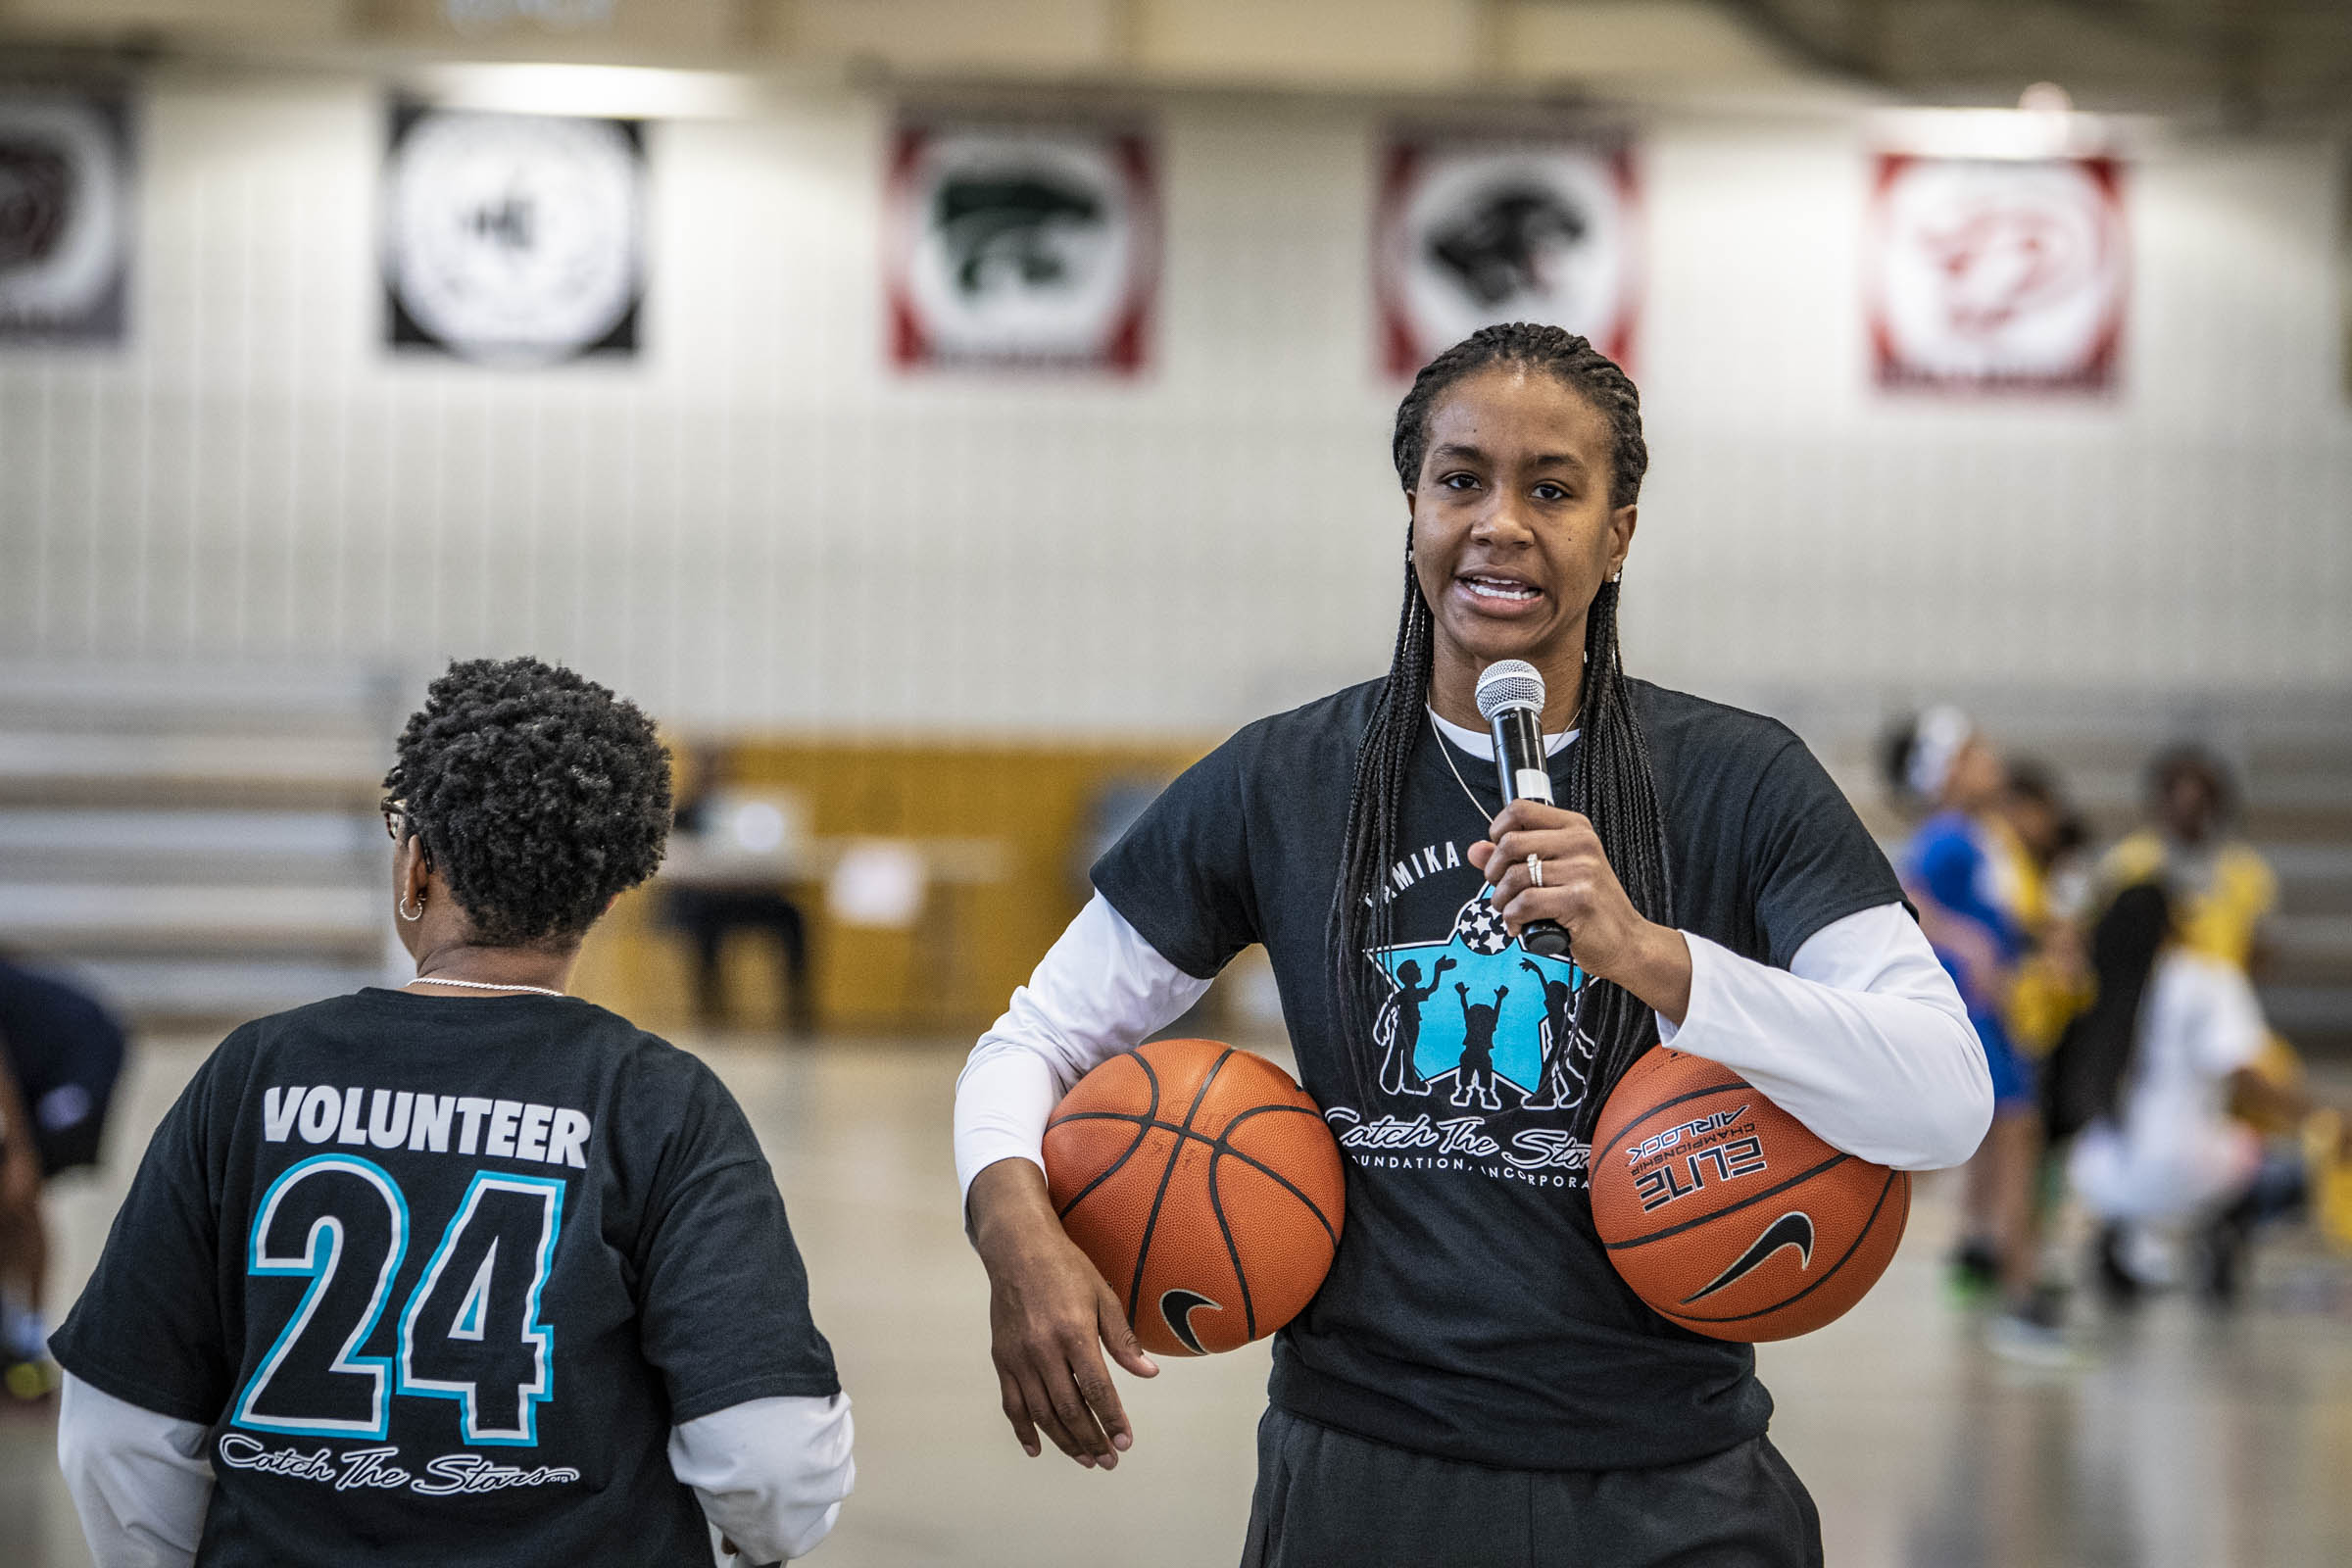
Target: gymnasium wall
[[758, 525], [1024, 805]]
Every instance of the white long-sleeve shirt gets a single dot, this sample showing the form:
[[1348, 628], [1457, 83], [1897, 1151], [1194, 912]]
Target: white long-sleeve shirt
[[771, 1475], [1863, 1038]]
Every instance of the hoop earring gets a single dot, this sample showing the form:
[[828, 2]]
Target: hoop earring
[[403, 906]]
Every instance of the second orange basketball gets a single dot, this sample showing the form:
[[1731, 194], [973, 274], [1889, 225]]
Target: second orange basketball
[[1725, 1213], [1203, 1183]]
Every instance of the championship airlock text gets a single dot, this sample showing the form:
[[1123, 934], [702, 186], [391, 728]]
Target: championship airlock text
[[1710, 1150], [502, 1129]]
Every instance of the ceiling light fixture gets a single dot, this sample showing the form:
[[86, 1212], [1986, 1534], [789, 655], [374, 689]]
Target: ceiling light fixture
[[2044, 126], [623, 92]]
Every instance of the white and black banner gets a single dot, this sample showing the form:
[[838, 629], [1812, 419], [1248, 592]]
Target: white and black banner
[[512, 239], [1021, 245], [1473, 231], [66, 203], [1998, 275]]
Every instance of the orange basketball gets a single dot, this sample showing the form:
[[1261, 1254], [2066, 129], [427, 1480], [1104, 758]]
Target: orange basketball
[[1205, 1186], [1726, 1214]]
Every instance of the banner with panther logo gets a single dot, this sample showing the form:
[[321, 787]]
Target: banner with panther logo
[[1021, 246], [65, 215], [1989, 274], [1474, 230]]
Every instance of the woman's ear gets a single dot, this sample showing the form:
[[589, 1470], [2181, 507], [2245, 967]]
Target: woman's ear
[[416, 872], [1622, 523]]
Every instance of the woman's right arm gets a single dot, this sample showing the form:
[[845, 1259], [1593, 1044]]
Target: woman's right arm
[[1098, 991]]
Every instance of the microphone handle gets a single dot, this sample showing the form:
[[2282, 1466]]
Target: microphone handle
[[1518, 735]]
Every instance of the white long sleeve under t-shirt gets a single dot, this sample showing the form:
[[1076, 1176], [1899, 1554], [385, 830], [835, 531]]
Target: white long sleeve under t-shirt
[[770, 1474], [1863, 1038]]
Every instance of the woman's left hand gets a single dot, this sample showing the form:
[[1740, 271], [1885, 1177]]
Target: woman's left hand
[[1607, 936]]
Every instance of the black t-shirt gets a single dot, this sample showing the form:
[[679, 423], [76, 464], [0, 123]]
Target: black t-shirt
[[440, 1274], [1471, 1311]]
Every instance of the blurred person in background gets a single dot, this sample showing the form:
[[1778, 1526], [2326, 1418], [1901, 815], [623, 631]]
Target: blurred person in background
[[2160, 1157], [2203, 1126], [2044, 837], [402, 1247], [60, 1053], [729, 856], [2223, 891], [2221, 888], [1967, 876]]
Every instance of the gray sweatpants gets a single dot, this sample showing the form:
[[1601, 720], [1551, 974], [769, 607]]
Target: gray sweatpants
[[1329, 1500]]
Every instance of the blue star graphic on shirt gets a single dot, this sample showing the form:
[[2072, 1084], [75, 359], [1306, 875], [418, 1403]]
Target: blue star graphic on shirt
[[1476, 994]]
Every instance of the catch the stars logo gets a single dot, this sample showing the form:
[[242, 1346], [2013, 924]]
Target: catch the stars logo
[[1476, 1021]]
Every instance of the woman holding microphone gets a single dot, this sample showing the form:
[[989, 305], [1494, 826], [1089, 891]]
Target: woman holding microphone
[[1473, 1385]]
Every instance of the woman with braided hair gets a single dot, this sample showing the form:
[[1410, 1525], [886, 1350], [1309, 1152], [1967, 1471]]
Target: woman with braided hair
[[1474, 1386]]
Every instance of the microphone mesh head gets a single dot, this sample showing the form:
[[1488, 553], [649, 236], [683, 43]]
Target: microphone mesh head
[[1509, 683]]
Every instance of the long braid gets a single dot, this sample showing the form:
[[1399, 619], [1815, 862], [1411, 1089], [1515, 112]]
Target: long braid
[[1362, 919], [1611, 782], [1610, 779]]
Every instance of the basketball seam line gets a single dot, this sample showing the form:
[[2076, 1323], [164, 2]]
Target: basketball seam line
[[1731, 1208], [1135, 1115], [1142, 1130], [1224, 1146], [1217, 1146], [1216, 1206], [1143, 1247], [1825, 1274], [1647, 1111]]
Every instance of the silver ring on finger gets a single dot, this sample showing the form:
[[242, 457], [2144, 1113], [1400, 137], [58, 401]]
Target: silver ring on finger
[[1535, 869]]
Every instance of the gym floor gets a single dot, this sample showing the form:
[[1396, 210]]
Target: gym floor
[[2181, 1440]]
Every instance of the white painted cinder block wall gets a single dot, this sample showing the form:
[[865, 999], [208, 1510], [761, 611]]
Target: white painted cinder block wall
[[758, 523]]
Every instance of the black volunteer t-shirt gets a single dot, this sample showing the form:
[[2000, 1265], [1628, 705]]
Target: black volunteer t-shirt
[[1471, 1311], [440, 1274]]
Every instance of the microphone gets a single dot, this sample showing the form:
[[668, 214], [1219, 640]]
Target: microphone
[[1510, 699]]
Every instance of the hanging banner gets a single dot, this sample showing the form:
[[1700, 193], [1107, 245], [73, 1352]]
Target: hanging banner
[[65, 215], [1021, 246], [1471, 232], [512, 239], [1990, 274]]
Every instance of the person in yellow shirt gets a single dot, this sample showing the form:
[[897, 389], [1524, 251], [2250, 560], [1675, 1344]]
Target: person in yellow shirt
[[2222, 888], [2222, 892], [2039, 836]]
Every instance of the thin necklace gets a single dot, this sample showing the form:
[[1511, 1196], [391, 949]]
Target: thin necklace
[[478, 985], [1445, 750]]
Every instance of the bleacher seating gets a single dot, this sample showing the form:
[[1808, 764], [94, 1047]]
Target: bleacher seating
[[200, 843], [203, 843]]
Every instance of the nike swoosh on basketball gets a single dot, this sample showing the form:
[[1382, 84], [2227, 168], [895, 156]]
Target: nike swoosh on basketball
[[1792, 1229], [1176, 1309]]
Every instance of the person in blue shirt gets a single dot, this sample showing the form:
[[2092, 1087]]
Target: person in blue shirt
[[1957, 871]]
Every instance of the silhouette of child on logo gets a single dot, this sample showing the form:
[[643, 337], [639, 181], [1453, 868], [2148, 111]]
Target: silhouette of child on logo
[[1560, 1081], [1477, 1072], [1397, 1030]]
